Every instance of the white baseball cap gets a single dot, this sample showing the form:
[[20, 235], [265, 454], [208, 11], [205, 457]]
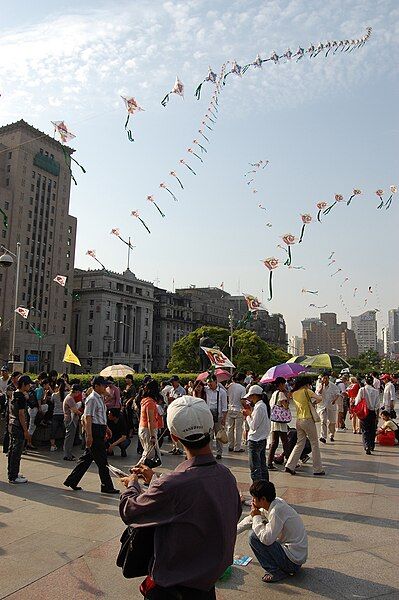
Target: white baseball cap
[[189, 416], [254, 390]]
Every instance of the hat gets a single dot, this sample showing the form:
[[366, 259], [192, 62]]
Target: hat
[[189, 416], [254, 389], [4, 368], [99, 380], [385, 376]]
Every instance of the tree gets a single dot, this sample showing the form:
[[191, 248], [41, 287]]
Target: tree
[[370, 361], [251, 353]]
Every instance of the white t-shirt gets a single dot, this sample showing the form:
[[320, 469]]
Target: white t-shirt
[[259, 422], [3, 385], [328, 393], [212, 399], [389, 395], [166, 391], [235, 393]]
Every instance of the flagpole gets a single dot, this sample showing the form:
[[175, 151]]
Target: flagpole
[[128, 255], [14, 329]]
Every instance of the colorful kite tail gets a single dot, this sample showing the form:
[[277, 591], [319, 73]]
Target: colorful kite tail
[[212, 113], [203, 149], [188, 167], [159, 210], [197, 155], [270, 286], [180, 183], [141, 220], [302, 232], [318, 216], [350, 199], [129, 135], [210, 128], [171, 193], [211, 120], [198, 91], [79, 165], [289, 259], [165, 100], [387, 205], [204, 136], [381, 204], [127, 120], [327, 210]]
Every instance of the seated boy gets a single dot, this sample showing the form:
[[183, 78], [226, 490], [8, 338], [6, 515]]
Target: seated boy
[[279, 542]]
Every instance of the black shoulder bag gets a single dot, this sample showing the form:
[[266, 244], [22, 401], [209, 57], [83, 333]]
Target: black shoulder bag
[[136, 552]]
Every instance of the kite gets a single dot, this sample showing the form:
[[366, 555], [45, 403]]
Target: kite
[[380, 194], [331, 255], [262, 207], [289, 239], [344, 281], [268, 224], [393, 190], [178, 89], [66, 136], [173, 173], [321, 206], [337, 271], [203, 135], [132, 108], [203, 149], [151, 199], [5, 218], [212, 77], [135, 213], [354, 292], [338, 198], [370, 289], [331, 262], [183, 162], [92, 253], [217, 358], [314, 306], [305, 291], [24, 312], [271, 263], [355, 192], [163, 186], [306, 219], [257, 63], [236, 69], [191, 151], [60, 279], [253, 303], [116, 233]]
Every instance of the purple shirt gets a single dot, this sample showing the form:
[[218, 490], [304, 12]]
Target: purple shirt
[[195, 510]]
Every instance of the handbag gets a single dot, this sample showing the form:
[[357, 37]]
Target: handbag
[[313, 411], [136, 552], [279, 414], [361, 409], [221, 436]]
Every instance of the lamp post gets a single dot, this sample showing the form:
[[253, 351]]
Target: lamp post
[[6, 260], [231, 340]]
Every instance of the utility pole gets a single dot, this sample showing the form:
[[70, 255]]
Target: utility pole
[[231, 340]]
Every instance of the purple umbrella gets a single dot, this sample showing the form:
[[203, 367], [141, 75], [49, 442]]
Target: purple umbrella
[[286, 370]]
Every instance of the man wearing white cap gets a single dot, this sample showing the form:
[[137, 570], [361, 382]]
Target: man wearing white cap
[[259, 428], [194, 511]]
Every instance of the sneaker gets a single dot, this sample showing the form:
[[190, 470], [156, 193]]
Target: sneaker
[[323, 440], [368, 451], [19, 479]]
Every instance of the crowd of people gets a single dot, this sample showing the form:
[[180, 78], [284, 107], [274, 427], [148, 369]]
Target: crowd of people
[[239, 413]]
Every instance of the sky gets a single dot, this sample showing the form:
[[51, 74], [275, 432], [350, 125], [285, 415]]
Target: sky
[[326, 125]]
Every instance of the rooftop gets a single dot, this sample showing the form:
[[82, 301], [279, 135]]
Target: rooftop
[[21, 124]]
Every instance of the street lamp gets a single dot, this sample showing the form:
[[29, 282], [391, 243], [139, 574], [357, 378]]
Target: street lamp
[[231, 339], [6, 260]]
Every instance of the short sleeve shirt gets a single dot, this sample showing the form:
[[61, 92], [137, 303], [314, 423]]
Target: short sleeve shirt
[[96, 409], [18, 402]]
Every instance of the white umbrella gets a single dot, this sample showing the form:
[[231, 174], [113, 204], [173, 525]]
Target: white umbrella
[[117, 371]]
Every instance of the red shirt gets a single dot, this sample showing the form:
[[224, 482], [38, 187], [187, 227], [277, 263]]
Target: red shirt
[[352, 390]]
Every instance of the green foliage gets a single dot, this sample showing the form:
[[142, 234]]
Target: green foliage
[[370, 361], [250, 351]]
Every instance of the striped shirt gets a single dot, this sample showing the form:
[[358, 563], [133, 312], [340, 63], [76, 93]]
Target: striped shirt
[[96, 409]]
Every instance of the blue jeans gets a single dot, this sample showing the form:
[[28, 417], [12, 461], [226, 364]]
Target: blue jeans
[[257, 460], [272, 558]]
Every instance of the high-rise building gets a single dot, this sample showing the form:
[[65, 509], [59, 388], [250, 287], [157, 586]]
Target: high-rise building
[[295, 345], [393, 327], [365, 328], [173, 319], [112, 320], [325, 335], [34, 197]]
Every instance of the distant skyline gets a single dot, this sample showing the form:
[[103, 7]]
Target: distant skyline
[[327, 125]]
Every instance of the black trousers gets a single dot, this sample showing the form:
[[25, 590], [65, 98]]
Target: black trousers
[[15, 449], [98, 453], [369, 427], [179, 593]]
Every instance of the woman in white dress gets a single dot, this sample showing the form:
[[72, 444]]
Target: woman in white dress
[[279, 431]]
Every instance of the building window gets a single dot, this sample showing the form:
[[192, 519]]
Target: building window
[[89, 346], [92, 284], [119, 287], [63, 330], [69, 230], [9, 155], [7, 181], [91, 314], [90, 329], [107, 330], [146, 322], [69, 242], [108, 315], [139, 291], [33, 174], [8, 168], [91, 302]]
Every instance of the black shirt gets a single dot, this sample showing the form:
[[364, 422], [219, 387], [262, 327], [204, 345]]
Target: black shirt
[[18, 402], [118, 428]]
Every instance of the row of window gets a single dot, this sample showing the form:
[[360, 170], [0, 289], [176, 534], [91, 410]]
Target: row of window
[[120, 287]]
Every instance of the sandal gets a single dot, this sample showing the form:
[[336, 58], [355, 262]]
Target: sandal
[[268, 578]]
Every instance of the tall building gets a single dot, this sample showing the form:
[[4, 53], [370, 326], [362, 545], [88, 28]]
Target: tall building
[[112, 320], [34, 195], [269, 327], [325, 335], [365, 328], [393, 327], [173, 319], [295, 344]]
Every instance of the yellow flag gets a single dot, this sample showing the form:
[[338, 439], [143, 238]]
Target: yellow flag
[[70, 357]]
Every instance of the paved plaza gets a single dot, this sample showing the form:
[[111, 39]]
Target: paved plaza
[[56, 543]]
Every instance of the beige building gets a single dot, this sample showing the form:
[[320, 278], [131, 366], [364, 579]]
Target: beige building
[[325, 335], [112, 320], [34, 195], [365, 328]]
